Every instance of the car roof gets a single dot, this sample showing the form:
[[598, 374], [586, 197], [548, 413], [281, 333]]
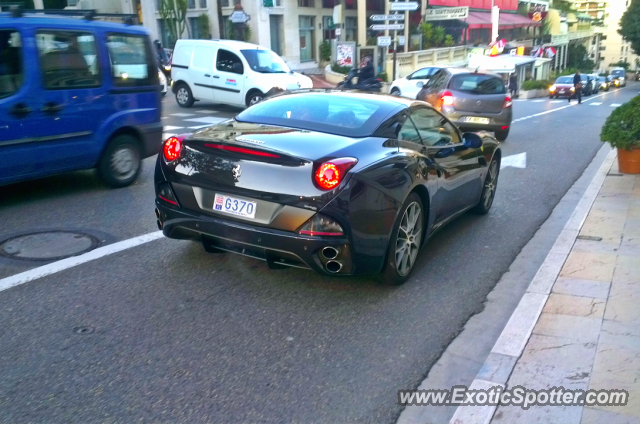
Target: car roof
[[458, 71], [239, 45], [387, 99], [58, 21]]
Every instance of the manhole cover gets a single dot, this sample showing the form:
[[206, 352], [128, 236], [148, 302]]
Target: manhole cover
[[47, 245]]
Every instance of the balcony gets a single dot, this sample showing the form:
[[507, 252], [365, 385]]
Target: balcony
[[570, 36]]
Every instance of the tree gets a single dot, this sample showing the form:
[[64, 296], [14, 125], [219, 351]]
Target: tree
[[621, 64], [438, 35], [204, 27], [174, 15], [427, 34], [577, 58], [448, 41], [630, 25]]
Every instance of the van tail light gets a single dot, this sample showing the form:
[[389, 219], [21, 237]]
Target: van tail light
[[331, 173], [447, 98], [173, 146], [507, 102]]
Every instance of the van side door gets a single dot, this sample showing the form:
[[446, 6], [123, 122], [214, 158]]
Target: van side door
[[229, 78], [202, 74]]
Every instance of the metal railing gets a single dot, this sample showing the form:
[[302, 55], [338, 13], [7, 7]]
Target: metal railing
[[409, 62]]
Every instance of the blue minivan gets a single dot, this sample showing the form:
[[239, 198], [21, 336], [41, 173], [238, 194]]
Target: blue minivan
[[76, 94]]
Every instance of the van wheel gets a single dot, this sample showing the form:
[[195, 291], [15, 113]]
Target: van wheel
[[395, 91], [253, 97], [184, 96], [121, 161]]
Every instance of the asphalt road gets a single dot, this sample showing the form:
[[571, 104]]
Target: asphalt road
[[178, 335]]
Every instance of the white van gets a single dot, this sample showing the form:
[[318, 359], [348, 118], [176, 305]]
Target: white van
[[231, 72]]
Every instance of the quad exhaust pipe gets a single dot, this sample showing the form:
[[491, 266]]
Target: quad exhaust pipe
[[330, 252], [333, 267]]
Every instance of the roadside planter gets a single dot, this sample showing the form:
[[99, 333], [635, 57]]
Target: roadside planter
[[622, 131], [333, 77], [533, 89]]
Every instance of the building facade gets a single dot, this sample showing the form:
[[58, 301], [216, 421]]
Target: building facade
[[613, 48]]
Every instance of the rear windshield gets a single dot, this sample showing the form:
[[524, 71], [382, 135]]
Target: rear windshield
[[564, 80], [331, 113], [477, 84], [618, 73]]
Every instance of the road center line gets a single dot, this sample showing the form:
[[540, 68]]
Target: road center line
[[61, 265]]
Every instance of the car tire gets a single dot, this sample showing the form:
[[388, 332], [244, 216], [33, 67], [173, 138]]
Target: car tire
[[184, 97], [410, 224], [253, 97], [488, 188], [502, 135], [121, 161], [395, 91]]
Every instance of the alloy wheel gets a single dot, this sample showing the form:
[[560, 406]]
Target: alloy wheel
[[490, 185], [408, 239], [255, 99]]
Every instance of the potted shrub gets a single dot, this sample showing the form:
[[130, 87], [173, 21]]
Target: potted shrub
[[622, 131]]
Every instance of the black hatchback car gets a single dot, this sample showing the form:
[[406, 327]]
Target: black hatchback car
[[339, 182]]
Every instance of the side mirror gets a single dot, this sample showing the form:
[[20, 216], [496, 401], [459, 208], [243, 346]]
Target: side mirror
[[471, 140], [420, 84]]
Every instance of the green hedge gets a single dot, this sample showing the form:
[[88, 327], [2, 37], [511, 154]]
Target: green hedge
[[536, 85], [622, 127], [340, 69]]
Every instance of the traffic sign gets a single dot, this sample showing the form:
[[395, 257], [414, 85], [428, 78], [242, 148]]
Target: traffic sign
[[405, 6], [397, 17], [401, 40], [380, 27], [384, 41]]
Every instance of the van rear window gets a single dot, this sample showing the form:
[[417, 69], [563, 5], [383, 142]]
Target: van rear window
[[11, 75], [477, 84], [68, 59], [131, 62]]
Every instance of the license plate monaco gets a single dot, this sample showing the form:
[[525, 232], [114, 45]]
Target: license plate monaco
[[233, 206], [477, 120]]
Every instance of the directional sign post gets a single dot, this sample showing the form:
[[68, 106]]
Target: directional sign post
[[403, 6], [383, 27], [397, 17]]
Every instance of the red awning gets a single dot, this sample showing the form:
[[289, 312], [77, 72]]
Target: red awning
[[507, 20]]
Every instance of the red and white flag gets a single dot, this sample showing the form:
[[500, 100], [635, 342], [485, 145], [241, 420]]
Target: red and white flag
[[551, 52]]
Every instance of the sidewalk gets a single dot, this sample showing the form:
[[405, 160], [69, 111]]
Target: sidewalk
[[578, 325]]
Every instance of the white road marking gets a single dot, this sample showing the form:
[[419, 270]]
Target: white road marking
[[54, 267], [615, 104], [210, 112], [171, 128], [557, 101], [595, 103], [166, 135], [538, 100], [199, 126], [515, 161], [207, 120], [183, 114]]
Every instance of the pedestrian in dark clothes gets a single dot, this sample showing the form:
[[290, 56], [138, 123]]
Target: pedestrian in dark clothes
[[513, 85], [577, 85]]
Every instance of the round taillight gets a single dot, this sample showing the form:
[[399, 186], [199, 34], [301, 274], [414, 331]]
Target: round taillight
[[172, 148], [328, 175]]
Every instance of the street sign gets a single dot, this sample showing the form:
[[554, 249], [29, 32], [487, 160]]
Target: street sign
[[397, 17], [405, 6], [401, 40], [239, 17], [338, 31], [381, 27], [446, 13], [384, 41]]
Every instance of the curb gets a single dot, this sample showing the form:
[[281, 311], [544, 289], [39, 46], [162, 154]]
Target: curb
[[509, 347]]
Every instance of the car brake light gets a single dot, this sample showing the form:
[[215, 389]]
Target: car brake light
[[329, 174], [172, 148], [447, 98], [507, 102], [242, 150]]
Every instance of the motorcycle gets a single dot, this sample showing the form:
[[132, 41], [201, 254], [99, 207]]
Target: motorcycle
[[373, 85]]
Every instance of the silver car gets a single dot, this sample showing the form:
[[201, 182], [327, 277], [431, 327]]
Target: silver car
[[474, 101]]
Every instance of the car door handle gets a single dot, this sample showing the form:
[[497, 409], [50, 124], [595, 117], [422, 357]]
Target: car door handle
[[20, 110], [51, 108], [207, 75], [215, 76]]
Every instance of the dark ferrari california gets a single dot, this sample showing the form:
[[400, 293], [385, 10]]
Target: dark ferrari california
[[342, 183]]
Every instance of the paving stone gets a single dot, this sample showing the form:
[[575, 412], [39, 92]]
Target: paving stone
[[577, 287], [572, 328], [598, 416], [623, 309], [575, 305], [497, 367], [589, 266], [610, 245], [618, 355], [626, 271], [570, 358], [632, 408], [538, 414]]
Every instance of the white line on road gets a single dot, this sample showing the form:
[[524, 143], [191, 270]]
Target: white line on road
[[52, 268], [171, 128], [182, 114], [538, 100], [595, 103], [207, 119], [557, 101], [210, 112], [515, 161], [197, 127]]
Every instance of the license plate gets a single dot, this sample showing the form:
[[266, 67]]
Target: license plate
[[233, 206], [477, 120]]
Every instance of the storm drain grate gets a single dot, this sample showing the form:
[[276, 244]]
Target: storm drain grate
[[590, 238], [47, 245]]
